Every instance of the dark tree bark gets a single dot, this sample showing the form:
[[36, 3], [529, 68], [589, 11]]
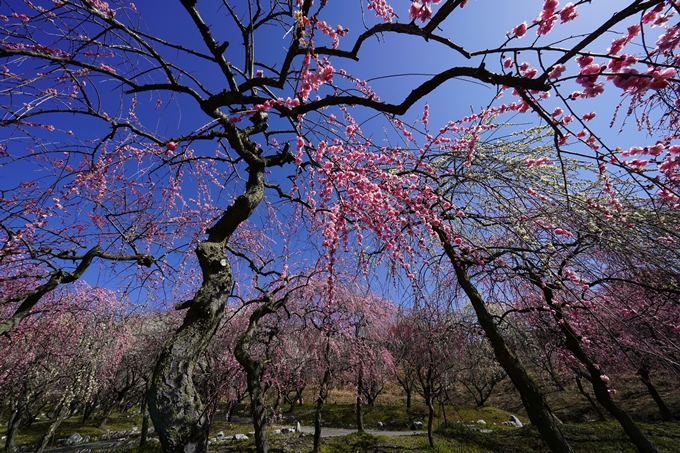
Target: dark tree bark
[[88, 410], [430, 420], [665, 412], [59, 416], [175, 405], [254, 370], [360, 410], [372, 392], [323, 394], [443, 408], [592, 402], [16, 418], [295, 399], [145, 418], [533, 399], [108, 410]]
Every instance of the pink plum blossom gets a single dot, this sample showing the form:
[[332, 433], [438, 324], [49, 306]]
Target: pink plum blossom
[[519, 30], [568, 13], [557, 71]]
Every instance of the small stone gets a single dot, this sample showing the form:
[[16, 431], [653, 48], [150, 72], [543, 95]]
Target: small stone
[[220, 435], [276, 431], [380, 425], [481, 422], [240, 437], [515, 421], [74, 438]]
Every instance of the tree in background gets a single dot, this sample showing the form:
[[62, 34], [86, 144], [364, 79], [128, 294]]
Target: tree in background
[[431, 342], [62, 357]]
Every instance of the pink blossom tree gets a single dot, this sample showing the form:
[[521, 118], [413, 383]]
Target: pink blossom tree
[[61, 356], [432, 342]]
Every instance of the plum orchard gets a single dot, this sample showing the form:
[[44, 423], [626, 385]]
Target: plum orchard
[[157, 149]]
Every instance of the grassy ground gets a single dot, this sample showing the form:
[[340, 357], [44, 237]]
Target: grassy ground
[[584, 436], [344, 415], [33, 434]]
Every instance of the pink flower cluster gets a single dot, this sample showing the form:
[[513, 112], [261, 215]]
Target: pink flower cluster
[[546, 20], [335, 33], [519, 31], [539, 162], [382, 9], [631, 81], [588, 75], [21, 17], [619, 43], [312, 80], [421, 10], [557, 71], [102, 7], [568, 13]]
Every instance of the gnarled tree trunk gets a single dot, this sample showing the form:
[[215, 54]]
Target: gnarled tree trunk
[[360, 408], [19, 414], [175, 406], [60, 414], [430, 420], [592, 402]]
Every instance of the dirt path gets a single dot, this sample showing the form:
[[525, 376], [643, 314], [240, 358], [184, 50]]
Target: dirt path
[[325, 432], [332, 432], [99, 445]]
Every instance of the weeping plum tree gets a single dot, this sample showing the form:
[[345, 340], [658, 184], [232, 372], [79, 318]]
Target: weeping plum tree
[[431, 342], [52, 361], [175, 160]]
